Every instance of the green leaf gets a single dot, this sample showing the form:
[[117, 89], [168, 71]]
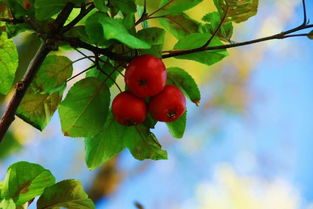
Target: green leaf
[[7, 204], [107, 143], [46, 8], [179, 25], [143, 144], [183, 80], [37, 109], [177, 127], [53, 74], [17, 8], [125, 6], [197, 40], [237, 11], [45, 93], [65, 194], [15, 29], [213, 20], [155, 37], [101, 29], [24, 181], [8, 63], [101, 5], [108, 69], [176, 6], [84, 110]]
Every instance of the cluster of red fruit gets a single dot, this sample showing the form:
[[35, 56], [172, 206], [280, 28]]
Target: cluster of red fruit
[[146, 78]]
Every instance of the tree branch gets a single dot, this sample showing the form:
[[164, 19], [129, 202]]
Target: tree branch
[[77, 43], [21, 88], [80, 16], [64, 14], [281, 35], [11, 20]]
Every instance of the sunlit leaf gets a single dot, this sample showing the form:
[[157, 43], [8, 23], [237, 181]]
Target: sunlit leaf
[[84, 110], [7, 204], [65, 194], [197, 40], [45, 93], [177, 6], [101, 28], [182, 79], [53, 73], [8, 63], [24, 181], [37, 109], [107, 143], [237, 11]]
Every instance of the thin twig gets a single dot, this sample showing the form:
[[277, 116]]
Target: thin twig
[[282, 35], [78, 74], [304, 13], [11, 20], [80, 16], [109, 77], [64, 14], [144, 14], [159, 9], [218, 28]]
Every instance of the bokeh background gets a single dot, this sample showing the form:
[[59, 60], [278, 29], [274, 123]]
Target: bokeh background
[[248, 146]]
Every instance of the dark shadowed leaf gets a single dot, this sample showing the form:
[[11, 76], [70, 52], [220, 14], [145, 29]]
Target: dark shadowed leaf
[[237, 11], [184, 81], [84, 110], [65, 194], [143, 144], [213, 20], [101, 5], [16, 7], [179, 25], [110, 75], [8, 63], [155, 37], [45, 9], [177, 128], [24, 181], [126, 6]]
